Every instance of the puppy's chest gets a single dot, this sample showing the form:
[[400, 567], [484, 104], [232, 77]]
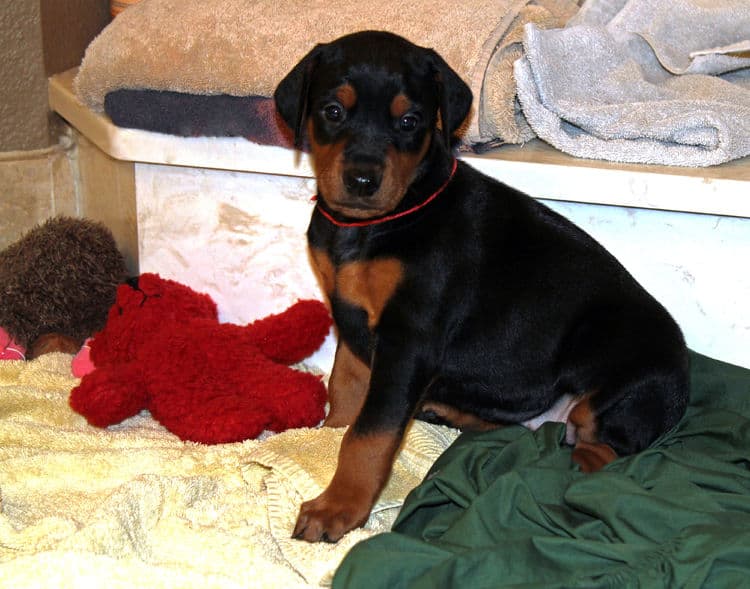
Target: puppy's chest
[[366, 284]]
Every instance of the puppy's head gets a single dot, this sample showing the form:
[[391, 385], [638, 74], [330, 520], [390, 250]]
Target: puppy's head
[[369, 104]]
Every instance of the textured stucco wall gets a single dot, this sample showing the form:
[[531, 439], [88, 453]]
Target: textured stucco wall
[[39, 38], [67, 28], [23, 84]]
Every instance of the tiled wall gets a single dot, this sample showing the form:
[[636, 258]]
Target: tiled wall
[[35, 185], [73, 178]]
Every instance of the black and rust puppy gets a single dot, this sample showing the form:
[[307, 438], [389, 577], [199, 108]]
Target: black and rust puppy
[[455, 295]]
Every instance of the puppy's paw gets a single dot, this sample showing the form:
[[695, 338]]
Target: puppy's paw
[[328, 517]]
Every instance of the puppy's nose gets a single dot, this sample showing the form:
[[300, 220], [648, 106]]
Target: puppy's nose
[[362, 180]]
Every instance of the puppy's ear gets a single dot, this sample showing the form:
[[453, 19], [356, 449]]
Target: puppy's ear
[[454, 96], [292, 93]]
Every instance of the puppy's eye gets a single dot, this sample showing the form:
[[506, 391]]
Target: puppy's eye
[[333, 112], [408, 122]]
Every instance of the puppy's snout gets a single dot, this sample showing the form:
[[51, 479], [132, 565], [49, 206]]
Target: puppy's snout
[[362, 180]]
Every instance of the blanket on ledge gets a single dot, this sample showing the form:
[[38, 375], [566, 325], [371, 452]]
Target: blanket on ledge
[[245, 47], [506, 508], [639, 81], [133, 506]]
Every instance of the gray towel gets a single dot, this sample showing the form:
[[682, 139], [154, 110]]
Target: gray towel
[[640, 81]]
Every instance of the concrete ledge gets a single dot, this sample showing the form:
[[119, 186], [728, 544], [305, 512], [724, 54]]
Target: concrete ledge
[[535, 168]]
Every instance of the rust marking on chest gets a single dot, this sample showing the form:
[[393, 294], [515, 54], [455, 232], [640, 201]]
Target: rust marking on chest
[[368, 284]]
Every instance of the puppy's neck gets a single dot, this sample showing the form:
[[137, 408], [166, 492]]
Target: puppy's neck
[[432, 173]]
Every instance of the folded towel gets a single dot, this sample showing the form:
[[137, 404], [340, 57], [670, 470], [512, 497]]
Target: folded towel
[[499, 118], [245, 47], [641, 81], [136, 506]]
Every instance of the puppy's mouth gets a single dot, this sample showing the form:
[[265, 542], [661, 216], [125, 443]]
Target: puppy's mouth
[[355, 204], [357, 208]]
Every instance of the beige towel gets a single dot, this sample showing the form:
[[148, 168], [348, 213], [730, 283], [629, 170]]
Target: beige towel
[[138, 507], [244, 47]]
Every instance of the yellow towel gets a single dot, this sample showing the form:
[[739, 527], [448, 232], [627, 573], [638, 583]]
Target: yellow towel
[[137, 506]]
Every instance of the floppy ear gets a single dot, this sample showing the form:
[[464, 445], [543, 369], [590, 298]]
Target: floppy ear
[[454, 96], [291, 95]]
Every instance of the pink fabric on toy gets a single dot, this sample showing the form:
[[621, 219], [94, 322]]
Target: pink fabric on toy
[[82, 364], [9, 349]]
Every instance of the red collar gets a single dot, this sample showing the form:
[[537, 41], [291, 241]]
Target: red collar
[[366, 222]]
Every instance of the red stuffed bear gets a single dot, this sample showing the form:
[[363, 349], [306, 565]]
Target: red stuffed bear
[[163, 349]]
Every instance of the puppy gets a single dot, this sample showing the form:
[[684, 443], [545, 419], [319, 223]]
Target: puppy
[[456, 297]]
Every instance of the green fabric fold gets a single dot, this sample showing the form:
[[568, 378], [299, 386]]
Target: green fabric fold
[[507, 508]]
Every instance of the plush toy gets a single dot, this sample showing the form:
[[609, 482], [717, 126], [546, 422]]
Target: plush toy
[[163, 349], [57, 284]]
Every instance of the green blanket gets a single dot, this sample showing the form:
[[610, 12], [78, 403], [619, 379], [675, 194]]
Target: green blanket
[[507, 509]]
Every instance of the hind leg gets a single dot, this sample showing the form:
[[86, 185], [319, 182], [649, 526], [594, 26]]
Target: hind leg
[[625, 419], [629, 365], [589, 452]]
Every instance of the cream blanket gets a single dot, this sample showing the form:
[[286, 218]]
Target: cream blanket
[[245, 47], [133, 506]]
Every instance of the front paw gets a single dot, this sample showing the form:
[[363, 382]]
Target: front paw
[[331, 515]]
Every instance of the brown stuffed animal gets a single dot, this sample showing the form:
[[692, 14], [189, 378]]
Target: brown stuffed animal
[[57, 284]]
